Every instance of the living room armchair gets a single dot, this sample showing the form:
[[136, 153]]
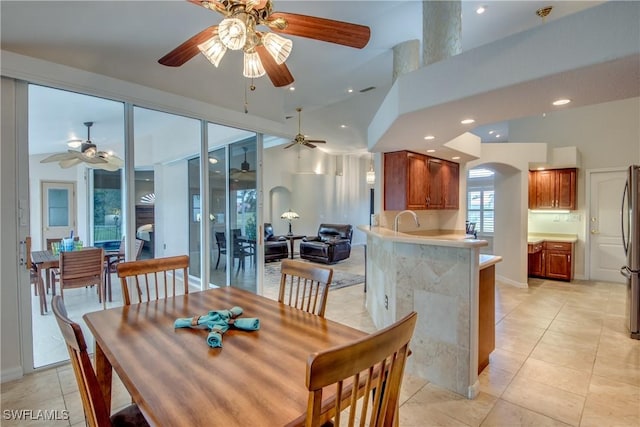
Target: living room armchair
[[332, 244], [275, 247]]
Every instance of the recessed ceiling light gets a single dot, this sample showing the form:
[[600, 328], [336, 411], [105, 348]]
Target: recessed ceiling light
[[429, 137], [343, 126], [292, 88], [491, 132], [467, 121], [497, 135], [455, 158], [431, 151], [349, 90], [213, 160], [558, 102], [481, 9]]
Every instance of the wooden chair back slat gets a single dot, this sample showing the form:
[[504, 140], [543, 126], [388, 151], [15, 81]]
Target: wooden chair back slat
[[95, 409], [82, 268], [304, 285], [366, 375], [153, 278]]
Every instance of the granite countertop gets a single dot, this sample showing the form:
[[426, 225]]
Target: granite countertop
[[425, 237], [533, 238], [488, 260]]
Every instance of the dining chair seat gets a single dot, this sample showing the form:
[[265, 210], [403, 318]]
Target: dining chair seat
[[304, 285], [95, 409], [366, 376]]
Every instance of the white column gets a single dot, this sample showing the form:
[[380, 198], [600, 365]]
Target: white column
[[441, 30], [406, 57]]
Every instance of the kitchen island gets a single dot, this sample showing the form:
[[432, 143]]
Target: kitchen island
[[438, 276]]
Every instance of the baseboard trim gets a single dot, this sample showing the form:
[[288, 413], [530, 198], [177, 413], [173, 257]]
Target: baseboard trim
[[512, 282], [11, 374]]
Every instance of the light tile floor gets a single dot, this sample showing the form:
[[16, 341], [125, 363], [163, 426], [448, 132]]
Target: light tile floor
[[562, 357]]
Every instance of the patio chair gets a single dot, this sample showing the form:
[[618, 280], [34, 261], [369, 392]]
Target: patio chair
[[95, 409], [375, 364], [153, 278], [82, 268], [304, 286]]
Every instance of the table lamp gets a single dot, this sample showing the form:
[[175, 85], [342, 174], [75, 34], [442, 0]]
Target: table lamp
[[289, 215]]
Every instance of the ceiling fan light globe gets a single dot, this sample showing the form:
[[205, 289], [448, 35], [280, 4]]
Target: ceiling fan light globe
[[213, 49], [74, 144], [278, 46], [252, 66], [233, 33]]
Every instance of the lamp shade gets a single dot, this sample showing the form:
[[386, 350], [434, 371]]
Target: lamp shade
[[233, 33], [277, 46], [371, 177], [289, 215], [213, 49], [252, 65]]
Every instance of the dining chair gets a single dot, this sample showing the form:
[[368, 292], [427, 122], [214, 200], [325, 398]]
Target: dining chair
[[82, 268], [304, 285], [95, 409], [239, 249], [34, 278], [375, 364], [111, 261], [151, 276], [54, 273]]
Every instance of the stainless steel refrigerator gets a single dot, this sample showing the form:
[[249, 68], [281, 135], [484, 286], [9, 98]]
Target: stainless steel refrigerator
[[631, 244]]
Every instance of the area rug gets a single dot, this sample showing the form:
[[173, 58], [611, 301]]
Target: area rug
[[340, 279]]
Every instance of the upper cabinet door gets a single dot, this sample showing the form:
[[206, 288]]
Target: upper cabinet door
[[451, 185], [566, 189], [545, 189], [418, 179], [435, 198]]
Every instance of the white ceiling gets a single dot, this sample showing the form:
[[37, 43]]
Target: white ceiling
[[124, 39]]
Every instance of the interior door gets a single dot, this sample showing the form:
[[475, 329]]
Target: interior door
[[58, 209], [606, 254]]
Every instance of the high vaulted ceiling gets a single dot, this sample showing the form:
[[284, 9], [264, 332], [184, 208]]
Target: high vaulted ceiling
[[124, 40]]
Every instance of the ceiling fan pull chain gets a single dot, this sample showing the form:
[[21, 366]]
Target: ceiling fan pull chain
[[246, 102]]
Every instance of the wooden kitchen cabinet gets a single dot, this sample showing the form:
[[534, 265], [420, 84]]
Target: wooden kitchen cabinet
[[536, 267], [418, 182], [552, 189], [406, 180], [558, 260], [551, 260], [451, 185]]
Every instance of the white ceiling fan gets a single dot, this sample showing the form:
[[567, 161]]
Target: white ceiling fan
[[88, 154]]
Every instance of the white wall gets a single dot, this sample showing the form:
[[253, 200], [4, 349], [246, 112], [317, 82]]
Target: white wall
[[11, 360], [511, 162], [171, 227]]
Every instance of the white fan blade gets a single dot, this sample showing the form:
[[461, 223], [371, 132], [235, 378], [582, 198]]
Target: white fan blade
[[65, 164], [57, 157]]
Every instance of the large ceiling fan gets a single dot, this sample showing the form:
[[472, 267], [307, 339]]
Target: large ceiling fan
[[264, 51], [300, 139], [88, 154]]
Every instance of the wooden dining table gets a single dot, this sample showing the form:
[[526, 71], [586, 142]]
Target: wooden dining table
[[256, 379]]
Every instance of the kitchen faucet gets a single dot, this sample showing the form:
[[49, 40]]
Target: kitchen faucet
[[395, 221]]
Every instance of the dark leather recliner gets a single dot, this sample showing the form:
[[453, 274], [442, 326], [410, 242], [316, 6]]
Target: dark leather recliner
[[332, 244], [275, 247]]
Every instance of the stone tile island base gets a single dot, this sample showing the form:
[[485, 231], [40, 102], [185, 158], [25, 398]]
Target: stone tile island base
[[438, 278]]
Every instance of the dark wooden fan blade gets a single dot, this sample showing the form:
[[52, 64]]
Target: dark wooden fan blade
[[327, 30], [307, 144], [290, 145], [279, 74], [188, 49], [315, 141]]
